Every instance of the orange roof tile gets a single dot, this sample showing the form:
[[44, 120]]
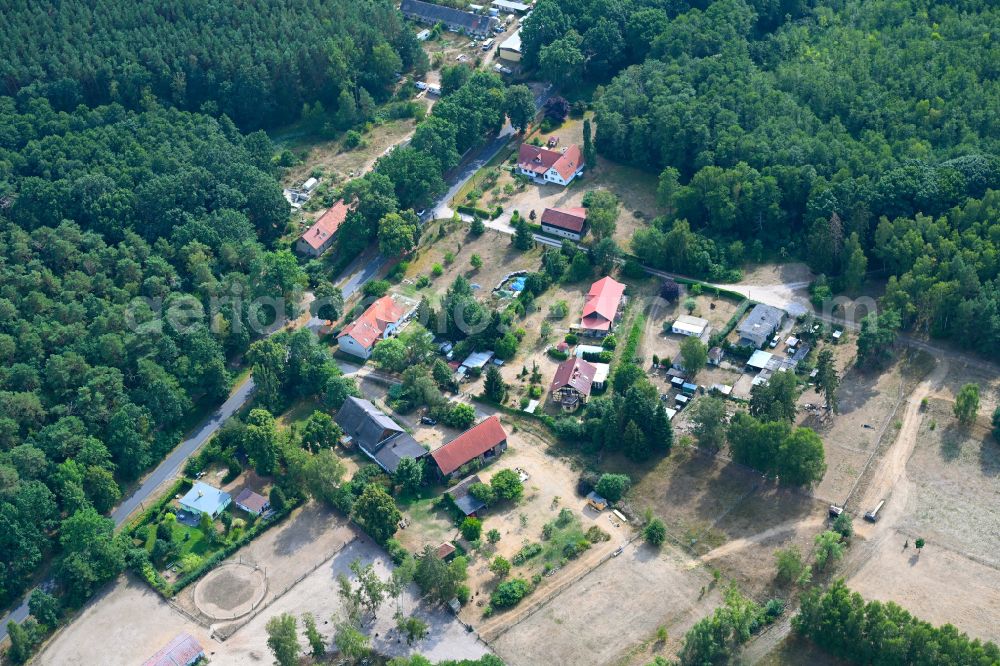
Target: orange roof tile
[[371, 325], [326, 225], [472, 443]]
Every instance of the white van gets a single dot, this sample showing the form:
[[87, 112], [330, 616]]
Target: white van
[[488, 44]]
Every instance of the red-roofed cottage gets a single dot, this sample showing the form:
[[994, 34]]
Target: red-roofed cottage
[[550, 166], [481, 442], [565, 222], [319, 237], [572, 383], [603, 307], [378, 322]]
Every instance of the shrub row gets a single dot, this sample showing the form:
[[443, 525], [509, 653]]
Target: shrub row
[[473, 210]]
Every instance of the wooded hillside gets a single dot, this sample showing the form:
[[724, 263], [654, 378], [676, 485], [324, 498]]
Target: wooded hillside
[[257, 61]]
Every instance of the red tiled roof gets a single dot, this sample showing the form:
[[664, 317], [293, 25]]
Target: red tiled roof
[[178, 652], [370, 326], [575, 373], [472, 443], [326, 225], [538, 160], [602, 304], [570, 162], [570, 219], [444, 550]]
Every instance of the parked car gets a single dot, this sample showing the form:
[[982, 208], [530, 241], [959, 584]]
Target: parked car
[[427, 420], [503, 70], [420, 85]]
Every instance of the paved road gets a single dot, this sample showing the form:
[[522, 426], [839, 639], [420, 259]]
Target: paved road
[[486, 153]]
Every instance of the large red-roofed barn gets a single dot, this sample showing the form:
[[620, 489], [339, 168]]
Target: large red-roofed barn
[[481, 442], [603, 307], [565, 222]]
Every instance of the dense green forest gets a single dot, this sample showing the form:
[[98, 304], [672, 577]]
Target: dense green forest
[[806, 131], [111, 219], [844, 625], [258, 62]]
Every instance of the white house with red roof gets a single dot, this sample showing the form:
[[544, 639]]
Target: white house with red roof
[[550, 166], [565, 222], [481, 442], [319, 237], [378, 322], [603, 308]]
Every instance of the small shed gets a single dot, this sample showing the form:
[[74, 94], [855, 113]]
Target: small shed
[[588, 349], [445, 550], [596, 501], [477, 360], [715, 356], [251, 502]]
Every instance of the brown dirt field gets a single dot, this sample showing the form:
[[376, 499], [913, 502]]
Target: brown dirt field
[[954, 470], [122, 626], [338, 163], [600, 618], [939, 585], [230, 591], [864, 398], [936, 481], [129, 622]]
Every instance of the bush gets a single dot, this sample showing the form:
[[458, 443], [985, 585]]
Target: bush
[[509, 593], [396, 551], [558, 355], [471, 528], [655, 532], [437, 270], [352, 139], [571, 338], [613, 487], [526, 553], [376, 288]]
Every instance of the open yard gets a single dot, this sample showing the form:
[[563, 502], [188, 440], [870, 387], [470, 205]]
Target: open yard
[[551, 487], [636, 189], [284, 553], [613, 608], [129, 622], [869, 404], [453, 252]]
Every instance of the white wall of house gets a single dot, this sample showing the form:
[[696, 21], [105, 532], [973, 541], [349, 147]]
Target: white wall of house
[[351, 346], [556, 231]]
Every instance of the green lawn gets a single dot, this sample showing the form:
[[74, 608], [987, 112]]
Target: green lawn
[[196, 542]]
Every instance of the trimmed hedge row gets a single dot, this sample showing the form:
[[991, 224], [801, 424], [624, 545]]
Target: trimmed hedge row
[[473, 210], [723, 332], [148, 516]]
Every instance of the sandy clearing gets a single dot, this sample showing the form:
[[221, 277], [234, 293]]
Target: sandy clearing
[[604, 615], [938, 586]]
